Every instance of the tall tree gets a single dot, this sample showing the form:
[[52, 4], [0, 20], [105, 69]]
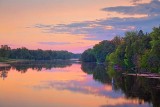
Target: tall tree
[[4, 51]]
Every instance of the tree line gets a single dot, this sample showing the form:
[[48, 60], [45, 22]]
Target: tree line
[[135, 50], [23, 53], [99, 52]]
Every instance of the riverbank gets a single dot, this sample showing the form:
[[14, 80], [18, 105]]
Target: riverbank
[[7, 62], [4, 64]]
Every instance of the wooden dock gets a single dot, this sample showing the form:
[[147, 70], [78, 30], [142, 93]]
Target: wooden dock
[[146, 75]]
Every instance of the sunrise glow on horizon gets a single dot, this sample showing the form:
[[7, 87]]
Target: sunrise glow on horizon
[[72, 25]]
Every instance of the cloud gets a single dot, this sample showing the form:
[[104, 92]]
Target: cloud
[[59, 43], [106, 28], [102, 29], [135, 1], [151, 8], [54, 43], [41, 25]]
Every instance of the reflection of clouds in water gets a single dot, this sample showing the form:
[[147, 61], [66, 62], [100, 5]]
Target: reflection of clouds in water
[[55, 70], [84, 87], [113, 99]]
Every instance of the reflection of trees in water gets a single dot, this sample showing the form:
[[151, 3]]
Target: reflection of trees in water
[[133, 87], [88, 68], [38, 65], [3, 74], [4, 71], [98, 71], [35, 65], [139, 87]]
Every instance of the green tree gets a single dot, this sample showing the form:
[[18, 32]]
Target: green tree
[[88, 56], [103, 49], [4, 51], [154, 57]]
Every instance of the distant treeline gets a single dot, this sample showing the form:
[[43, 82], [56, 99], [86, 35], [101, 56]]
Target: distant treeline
[[134, 50], [23, 53]]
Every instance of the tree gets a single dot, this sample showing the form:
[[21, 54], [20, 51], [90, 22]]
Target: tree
[[88, 56], [103, 49], [24, 53], [154, 57], [4, 51], [140, 33], [117, 40]]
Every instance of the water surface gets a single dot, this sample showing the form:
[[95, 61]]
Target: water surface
[[68, 84]]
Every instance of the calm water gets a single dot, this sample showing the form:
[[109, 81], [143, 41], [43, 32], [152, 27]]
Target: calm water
[[68, 84]]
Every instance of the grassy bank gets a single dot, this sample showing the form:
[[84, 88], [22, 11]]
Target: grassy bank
[[6, 62]]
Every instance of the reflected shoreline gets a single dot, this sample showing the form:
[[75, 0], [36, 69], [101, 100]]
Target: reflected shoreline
[[143, 89], [34, 65]]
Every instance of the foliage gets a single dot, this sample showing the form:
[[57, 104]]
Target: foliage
[[88, 56], [99, 52], [24, 53], [135, 50], [4, 51], [103, 49], [138, 50]]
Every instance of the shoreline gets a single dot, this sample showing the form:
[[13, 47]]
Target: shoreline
[[8, 62], [3, 64]]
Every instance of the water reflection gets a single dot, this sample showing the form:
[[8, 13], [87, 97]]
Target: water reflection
[[4, 72], [145, 89], [38, 65], [98, 71], [140, 88], [86, 84], [34, 65]]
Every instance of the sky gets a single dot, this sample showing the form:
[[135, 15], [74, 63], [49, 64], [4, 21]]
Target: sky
[[73, 25]]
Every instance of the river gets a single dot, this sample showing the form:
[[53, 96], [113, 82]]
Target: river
[[72, 84]]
